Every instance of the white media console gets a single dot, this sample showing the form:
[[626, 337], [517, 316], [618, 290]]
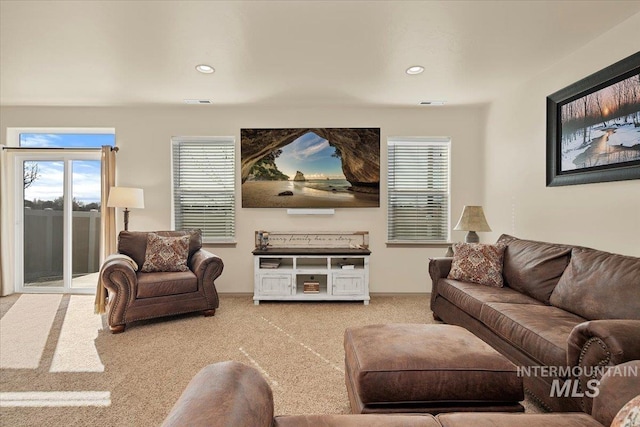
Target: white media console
[[312, 267]]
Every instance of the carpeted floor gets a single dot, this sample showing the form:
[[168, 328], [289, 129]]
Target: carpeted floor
[[297, 346]]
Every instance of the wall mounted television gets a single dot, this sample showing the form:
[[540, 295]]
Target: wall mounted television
[[310, 167]]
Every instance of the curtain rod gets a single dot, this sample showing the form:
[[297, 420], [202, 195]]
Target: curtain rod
[[116, 149]]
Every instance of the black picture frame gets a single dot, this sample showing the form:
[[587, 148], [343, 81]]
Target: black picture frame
[[580, 91]]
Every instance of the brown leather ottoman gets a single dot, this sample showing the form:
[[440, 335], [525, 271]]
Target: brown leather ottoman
[[427, 368]]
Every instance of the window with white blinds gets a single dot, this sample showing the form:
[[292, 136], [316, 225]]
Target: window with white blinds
[[204, 186], [418, 190]]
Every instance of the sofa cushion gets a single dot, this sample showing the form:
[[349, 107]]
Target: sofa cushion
[[540, 331], [520, 420], [477, 263], [360, 420], [470, 297], [533, 268], [134, 243], [162, 284], [599, 285], [168, 253]]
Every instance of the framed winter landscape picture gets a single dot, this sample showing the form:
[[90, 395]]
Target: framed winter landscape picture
[[310, 167], [593, 127]]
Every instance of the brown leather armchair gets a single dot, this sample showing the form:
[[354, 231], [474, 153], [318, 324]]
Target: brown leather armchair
[[135, 295]]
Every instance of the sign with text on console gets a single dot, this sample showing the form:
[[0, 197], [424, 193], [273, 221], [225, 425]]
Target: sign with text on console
[[297, 239]]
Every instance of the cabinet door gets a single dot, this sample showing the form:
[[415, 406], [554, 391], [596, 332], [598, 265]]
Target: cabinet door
[[348, 284], [278, 285]]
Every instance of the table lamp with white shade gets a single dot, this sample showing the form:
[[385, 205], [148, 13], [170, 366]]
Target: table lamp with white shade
[[127, 198], [472, 220]]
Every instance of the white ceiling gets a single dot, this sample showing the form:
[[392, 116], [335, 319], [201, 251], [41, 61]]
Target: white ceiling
[[286, 52]]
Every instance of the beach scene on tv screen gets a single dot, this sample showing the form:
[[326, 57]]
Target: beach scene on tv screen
[[310, 168]]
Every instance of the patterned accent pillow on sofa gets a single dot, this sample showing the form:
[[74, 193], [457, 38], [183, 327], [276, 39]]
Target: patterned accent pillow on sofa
[[166, 253], [629, 415], [478, 263]]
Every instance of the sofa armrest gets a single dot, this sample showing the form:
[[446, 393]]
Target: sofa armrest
[[438, 269], [617, 387], [601, 343], [207, 267], [224, 394], [120, 279], [604, 342]]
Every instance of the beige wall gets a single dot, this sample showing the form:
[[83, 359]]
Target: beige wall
[[498, 161], [602, 215], [143, 135]]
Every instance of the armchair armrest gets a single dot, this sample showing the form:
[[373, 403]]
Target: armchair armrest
[[224, 394], [601, 343], [438, 269], [207, 267], [120, 280]]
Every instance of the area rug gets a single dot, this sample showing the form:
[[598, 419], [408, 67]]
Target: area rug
[[134, 378]]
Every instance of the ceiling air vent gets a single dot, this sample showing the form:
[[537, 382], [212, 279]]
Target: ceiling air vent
[[198, 101], [433, 102]]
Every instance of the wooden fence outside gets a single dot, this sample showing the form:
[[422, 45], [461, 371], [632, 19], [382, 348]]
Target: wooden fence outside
[[43, 243]]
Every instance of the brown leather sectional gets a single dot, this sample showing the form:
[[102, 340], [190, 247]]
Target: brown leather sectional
[[233, 394], [562, 306]]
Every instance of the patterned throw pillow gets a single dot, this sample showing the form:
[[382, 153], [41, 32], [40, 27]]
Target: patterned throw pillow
[[629, 415], [166, 253], [478, 263]]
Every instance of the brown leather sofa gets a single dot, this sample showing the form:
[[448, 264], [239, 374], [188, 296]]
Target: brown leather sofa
[[135, 295], [233, 394], [561, 306]]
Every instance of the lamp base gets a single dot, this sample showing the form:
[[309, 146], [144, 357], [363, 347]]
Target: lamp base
[[472, 237], [126, 219]]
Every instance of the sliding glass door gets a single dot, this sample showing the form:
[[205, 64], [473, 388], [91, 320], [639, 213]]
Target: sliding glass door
[[58, 221], [85, 223], [43, 223]]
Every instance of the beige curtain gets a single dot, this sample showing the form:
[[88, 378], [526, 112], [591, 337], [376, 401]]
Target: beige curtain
[[5, 288], [107, 219]]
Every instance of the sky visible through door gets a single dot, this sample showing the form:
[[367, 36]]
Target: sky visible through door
[[42, 180]]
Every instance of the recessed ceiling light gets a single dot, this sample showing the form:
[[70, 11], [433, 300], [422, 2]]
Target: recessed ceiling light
[[416, 69], [204, 68], [433, 102]]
